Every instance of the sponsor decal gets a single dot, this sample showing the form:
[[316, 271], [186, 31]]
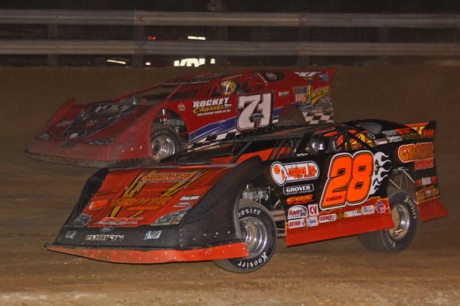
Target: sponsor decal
[[415, 152], [181, 107], [64, 123], [113, 221], [381, 208], [190, 198], [308, 95], [296, 223], [313, 209], [412, 136], [427, 133], [98, 204], [299, 189], [292, 172], [381, 141], [297, 211], [306, 74], [424, 164], [283, 93], [394, 138], [426, 193], [155, 176], [152, 235], [368, 210], [152, 203], [312, 221], [390, 133], [327, 218], [104, 237], [424, 181], [70, 234], [352, 213], [182, 205], [423, 131], [211, 106], [299, 199]]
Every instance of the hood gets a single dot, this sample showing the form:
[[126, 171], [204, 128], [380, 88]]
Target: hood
[[131, 198], [105, 119]]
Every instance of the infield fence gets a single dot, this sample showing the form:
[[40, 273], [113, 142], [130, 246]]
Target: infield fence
[[222, 35]]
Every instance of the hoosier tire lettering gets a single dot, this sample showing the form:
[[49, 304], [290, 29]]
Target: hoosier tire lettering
[[258, 231]]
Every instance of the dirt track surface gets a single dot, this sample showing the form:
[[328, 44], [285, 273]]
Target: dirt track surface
[[37, 197]]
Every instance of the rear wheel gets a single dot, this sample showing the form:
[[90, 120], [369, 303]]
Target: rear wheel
[[258, 231], [164, 141], [290, 115], [398, 238]]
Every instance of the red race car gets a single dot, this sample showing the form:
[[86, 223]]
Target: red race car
[[230, 200], [167, 117]]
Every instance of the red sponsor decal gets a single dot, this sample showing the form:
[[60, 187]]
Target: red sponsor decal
[[299, 199], [413, 152], [313, 209], [424, 164]]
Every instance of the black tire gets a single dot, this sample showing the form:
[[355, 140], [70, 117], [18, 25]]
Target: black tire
[[259, 234], [290, 115], [164, 141], [396, 239]]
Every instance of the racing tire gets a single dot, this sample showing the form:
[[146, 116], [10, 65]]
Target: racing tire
[[259, 234], [164, 141], [290, 115], [396, 239]]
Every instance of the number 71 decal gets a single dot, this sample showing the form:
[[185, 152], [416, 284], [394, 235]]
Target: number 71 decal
[[351, 179], [255, 111]]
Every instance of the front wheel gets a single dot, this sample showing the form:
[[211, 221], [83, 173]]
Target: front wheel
[[398, 238], [164, 141], [258, 231]]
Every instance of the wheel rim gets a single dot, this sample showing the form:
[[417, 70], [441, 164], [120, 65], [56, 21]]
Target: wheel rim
[[162, 146], [255, 235], [401, 219]]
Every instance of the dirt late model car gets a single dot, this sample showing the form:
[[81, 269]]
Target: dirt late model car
[[229, 201], [162, 119]]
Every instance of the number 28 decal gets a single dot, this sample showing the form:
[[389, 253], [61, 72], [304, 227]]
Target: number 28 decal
[[255, 111], [352, 178]]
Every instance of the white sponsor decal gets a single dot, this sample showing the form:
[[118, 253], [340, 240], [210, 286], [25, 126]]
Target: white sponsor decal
[[283, 173], [296, 223], [352, 213], [297, 211], [327, 218], [368, 210], [312, 221], [103, 237], [299, 189]]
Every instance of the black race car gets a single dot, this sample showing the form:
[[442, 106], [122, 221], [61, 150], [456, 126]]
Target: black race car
[[228, 201]]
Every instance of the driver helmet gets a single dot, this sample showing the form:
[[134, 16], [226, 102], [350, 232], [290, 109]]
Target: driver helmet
[[317, 143], [228, 87]]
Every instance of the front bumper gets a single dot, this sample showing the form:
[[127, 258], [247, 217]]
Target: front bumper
[[133, 256], [87, 155]]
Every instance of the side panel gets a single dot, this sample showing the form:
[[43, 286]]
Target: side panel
[[420, 157], [333, 195]]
